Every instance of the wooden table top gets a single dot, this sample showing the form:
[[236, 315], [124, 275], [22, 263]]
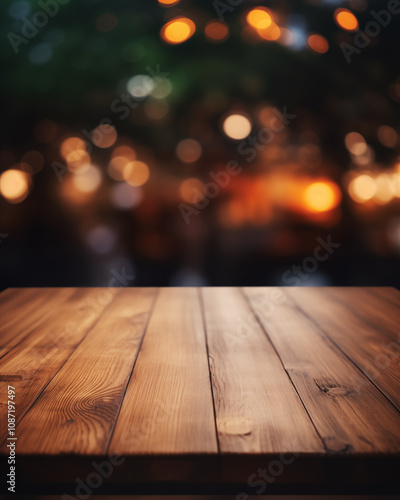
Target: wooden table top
[[255, 389]]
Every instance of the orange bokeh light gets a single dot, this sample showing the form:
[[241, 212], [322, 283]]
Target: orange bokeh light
[[259, 18], [178, 30], [104, 136], [271, 33], [216, 31], [322, 196], [168, 3], [136, 173], [318, 43], [14, 185], [346, 19], [190, 188]]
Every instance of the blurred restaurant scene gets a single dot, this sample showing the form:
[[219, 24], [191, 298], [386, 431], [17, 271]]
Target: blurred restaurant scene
[[191, 143]]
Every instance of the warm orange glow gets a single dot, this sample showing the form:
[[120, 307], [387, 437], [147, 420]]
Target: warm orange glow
[[216, 31], [88, 181], [322, 196], [116, 167], [136, 173], [188, 150], [355, 143], [387, 136], [104, 136], [70, 145], [14, 185], [178, 30], [362, 188], [259, 18], [318, 44], [190, 188], [346, 19], [237, 126], [168, 3], [272, 33], [125, 151], [384, 189]]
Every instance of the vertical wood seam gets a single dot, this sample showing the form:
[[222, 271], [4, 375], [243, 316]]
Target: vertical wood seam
[[202, 310], [252, 310], [156, 293]]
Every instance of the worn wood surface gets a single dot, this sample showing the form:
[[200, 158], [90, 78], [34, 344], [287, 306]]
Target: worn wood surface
[[256, 387]]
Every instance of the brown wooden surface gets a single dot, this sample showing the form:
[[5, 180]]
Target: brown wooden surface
[[210, 386]]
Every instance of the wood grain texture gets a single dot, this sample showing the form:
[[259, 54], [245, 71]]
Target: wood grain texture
[[168, 406], [84, 398], [257, 407], [351, 320], [203, 386], [350, 414], [31, 365], [23, 310]]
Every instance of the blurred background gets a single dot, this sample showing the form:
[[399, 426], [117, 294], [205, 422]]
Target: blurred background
[[215, 142]]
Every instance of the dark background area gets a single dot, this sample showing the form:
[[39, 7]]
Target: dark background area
[[74, 223]]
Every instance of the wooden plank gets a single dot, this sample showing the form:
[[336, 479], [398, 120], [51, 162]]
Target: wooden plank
[[168, 405], [387, 294], [31, 365], [373, 350], [257, 408], [382, 315], [23, 310], [77, 411], [350, 414]]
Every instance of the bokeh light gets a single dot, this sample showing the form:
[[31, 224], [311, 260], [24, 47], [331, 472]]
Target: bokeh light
[[259, 18], [168, 3], [355, 143], [318, 43], [346, 19], [125, 196], [101, 239], [136, 173], [271, 33], [104, 136], [14, 185], [362, 188], [140, 86], [237, 126], [191, 190], [322, 196], [89, 180], [384, 189], [387, 136], [178, 30], [188, 150], [216, 31]]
